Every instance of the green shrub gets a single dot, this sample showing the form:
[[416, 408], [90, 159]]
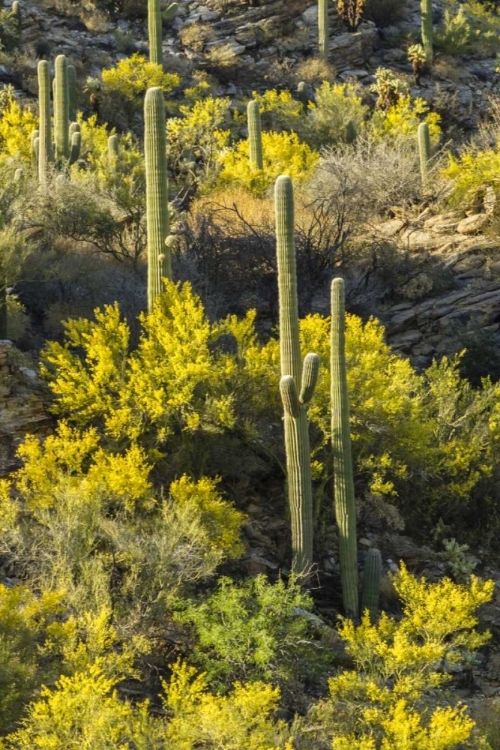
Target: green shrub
[[468, 28], [337, 106], [255, 630]]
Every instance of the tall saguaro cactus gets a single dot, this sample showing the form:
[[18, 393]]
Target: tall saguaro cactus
[[255, 154], [343, 481], [61, 110], [371, 583], [424, 148], [155, 147], [427, 29], [293, 377], [323, 29], [44, 156], [155, 32]]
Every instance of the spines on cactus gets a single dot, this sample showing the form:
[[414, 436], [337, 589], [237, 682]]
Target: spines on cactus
[[72, 92], [427, 30], [159, 262], [294, 376], [45, 138], [61, 110], [155, 32], [345, 508], [323, 29], [372, 577], [424, 149], [255, 153]]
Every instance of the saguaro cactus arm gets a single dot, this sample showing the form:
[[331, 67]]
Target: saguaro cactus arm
[[44, 138], [345, 508], [61, 109]]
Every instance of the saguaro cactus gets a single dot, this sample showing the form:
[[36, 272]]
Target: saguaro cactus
[[427, 29], [159, 263], [155, 32], [72, 92], [293, 377], [113, 146], [16, 12], [371, 583], [34, 150], [255, 154], [323, 29], [76, 143], [343, 481], [61, 110], [44, 139], [302, 95], [424, 149]]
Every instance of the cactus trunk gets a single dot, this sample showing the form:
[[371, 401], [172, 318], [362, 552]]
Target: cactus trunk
[[72, 92], [345, 508], [155, 32], [61, 110], [44, 139], [159, 263], [424, 149], [255, 154], [323, 29], [371, 583], [427, 29], [296, 429]]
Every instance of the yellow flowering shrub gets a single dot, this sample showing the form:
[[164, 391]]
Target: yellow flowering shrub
[[132, 77], [384, 702], [403, 118], [16, 126], [283, 153], [241, 719], [471, 173]]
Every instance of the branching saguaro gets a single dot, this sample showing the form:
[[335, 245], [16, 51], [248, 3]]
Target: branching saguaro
[[294, 376]]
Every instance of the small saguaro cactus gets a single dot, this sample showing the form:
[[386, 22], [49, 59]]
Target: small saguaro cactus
[[323, 29], [424, 149], [113, 146], [372, 577], [427, 29], [255, 154], [302, 95], [61, 110], [76, 144], [155, 32], [17, 15], [155, 147], [170, 12], [293, 377], [72, 92], [45, 138], [343, 481]]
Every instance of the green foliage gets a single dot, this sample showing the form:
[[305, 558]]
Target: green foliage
[[401, 120], [335, 107], [283, 154], [255, 630], [459, 564], [468, 28], [383, 703]]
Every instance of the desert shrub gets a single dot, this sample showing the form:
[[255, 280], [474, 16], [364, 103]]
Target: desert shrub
[[257, 631], [283, 153], [471, 173], [279, 110], [110, 541], [25, 625], [132, 77], [16, 125], [10, 36], [337, 107], [384, 702], [197, 137], [402, 119], [468, 28]]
